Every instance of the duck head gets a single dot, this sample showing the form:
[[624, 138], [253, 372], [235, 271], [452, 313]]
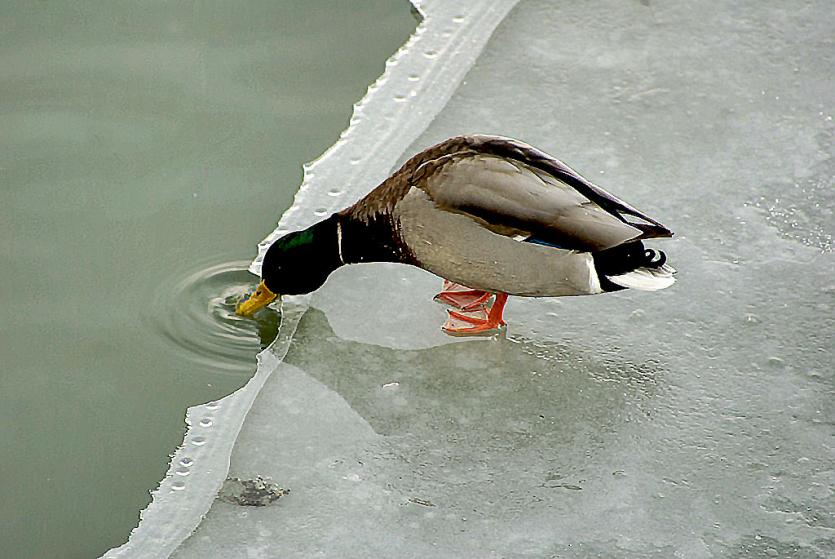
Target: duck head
[[297, 263]]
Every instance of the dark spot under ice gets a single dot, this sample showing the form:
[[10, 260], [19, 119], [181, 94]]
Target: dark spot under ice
[[256, 492]]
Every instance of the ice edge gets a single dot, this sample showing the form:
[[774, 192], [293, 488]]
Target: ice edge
[[418, 81]]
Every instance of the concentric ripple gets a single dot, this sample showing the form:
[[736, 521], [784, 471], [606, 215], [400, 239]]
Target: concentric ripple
[[197, 316]]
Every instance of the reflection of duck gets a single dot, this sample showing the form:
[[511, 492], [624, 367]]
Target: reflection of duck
[[379, 440], [584, 396], [490, 213]]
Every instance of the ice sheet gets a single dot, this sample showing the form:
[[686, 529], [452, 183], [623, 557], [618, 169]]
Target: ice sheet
[[694, 422], [418, 81]]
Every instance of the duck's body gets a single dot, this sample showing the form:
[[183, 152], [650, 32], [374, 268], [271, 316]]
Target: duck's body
[[490, 213]]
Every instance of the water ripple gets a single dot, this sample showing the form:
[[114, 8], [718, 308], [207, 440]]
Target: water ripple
[[196, 316]]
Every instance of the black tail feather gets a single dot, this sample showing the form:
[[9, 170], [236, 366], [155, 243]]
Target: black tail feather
[[649, 231], [623, 259]]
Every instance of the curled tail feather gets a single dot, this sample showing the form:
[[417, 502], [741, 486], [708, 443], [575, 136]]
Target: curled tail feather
[[632, 266]]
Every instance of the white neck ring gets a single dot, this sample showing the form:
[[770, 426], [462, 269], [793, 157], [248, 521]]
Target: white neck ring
[[339, 240]]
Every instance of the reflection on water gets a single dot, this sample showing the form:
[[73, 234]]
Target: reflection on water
[[197, 314]]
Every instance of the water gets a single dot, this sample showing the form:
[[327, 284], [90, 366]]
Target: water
[[144, 151], [197, 317]]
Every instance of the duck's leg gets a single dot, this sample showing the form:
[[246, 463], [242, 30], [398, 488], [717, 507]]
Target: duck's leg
[[487, 321], [462, 297]]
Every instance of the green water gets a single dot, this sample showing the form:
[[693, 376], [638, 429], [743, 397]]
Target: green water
[[145, 150]]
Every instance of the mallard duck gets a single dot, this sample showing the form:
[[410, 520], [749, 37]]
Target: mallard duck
[[490, 215]]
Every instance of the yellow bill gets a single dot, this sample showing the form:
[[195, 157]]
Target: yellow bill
[[258, 300]]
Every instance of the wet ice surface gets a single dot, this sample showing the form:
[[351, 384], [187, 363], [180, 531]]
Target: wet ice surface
[[693, 422], [802, 209]]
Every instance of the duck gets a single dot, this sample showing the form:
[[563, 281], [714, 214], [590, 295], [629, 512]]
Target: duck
[[489, 215]]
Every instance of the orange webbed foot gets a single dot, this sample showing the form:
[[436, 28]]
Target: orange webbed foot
[[462, 297], [483, 321]]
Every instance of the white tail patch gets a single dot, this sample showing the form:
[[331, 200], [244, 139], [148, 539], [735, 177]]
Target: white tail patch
[[646, 279]]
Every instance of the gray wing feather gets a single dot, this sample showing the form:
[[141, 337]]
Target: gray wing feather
[[520, 151], [511, 197]]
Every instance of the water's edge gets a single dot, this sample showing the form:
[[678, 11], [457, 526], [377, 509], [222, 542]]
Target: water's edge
[[418, 81]]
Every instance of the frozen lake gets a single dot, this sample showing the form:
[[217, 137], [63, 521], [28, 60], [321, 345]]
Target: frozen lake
[[152, 148]]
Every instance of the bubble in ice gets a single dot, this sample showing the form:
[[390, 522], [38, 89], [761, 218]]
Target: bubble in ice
[[775, 361], [802, 209]]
